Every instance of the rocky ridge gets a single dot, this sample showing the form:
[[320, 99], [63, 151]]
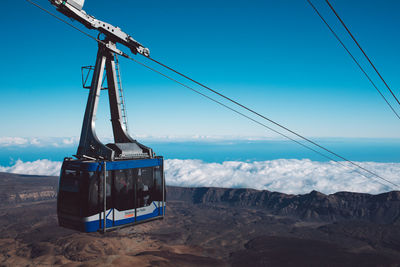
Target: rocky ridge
[[206, 227], [382, 208], [315, 206], [18, 188]]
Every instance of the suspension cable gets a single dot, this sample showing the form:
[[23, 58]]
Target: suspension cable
[[362, 50], [234, 102], [262, 124], [63, 20], [273, 122], [353, 58]]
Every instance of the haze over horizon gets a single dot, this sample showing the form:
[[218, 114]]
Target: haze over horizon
[[259, 164]]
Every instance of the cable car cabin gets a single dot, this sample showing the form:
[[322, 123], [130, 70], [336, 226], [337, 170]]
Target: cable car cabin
[[134, 190], [117, 184]]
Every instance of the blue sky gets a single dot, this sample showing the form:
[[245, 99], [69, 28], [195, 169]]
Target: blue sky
[[274, 56]]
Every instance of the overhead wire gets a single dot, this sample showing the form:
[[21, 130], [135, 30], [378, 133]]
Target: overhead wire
[[253, 120], [274, 122], [236, 103], [362, 50], [354, 59], [63, 20]]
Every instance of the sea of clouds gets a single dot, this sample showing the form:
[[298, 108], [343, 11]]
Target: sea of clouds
[[7, 141], [38, 167], [283, 175]]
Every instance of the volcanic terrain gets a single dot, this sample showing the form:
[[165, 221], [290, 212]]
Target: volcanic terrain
[[206, 227]]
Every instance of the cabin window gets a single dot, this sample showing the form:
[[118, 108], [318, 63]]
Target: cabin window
[[70, 181], [94, 197], [145, 186], [124, 189], [158, 184], [95, 192], [70, 192]]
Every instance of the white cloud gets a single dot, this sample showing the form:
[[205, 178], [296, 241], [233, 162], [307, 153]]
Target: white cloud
[[202, 138], [283, 175], [69, 141], [10, 141], [37, 141], [38, 167]]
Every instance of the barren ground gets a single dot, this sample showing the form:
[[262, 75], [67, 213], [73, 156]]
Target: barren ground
[[205, 234]]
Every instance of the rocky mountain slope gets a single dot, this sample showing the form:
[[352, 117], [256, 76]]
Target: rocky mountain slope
[[315, 206], [206, 227], [17, 188]]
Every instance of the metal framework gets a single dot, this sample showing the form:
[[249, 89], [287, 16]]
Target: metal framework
[[124, 146], [124, 155], [73, 9]]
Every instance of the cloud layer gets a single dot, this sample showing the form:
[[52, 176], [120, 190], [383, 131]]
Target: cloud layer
[[7, 141], [283, 175], [38, 167], [37, 142]]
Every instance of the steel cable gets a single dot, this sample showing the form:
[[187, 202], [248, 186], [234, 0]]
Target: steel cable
[[362, 50], [63, 20], [353, 58], [258, 122], [273, 122], [234, 102]]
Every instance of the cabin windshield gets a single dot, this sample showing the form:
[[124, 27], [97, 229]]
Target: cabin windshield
[[71, 182]]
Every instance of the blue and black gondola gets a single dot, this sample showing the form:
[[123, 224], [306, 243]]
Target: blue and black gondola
[[135, 193], [117, 184]]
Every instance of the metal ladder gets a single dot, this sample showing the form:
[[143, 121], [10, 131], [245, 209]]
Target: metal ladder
[[121, 94]]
